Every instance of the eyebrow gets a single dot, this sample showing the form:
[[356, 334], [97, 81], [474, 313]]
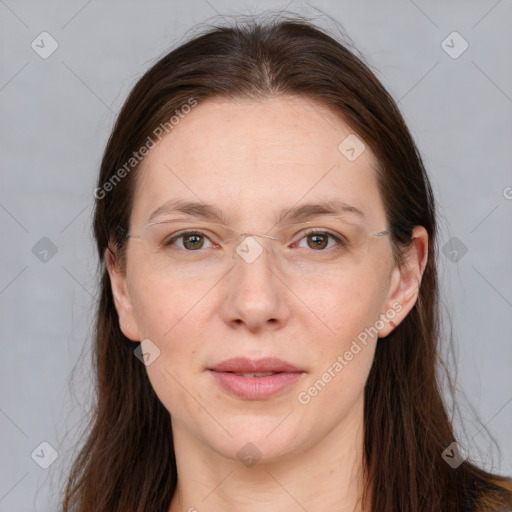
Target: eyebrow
[[206, 211], [191, 208], [335, 208]]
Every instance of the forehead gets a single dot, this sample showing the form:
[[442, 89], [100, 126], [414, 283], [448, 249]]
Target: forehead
[[250, 156]]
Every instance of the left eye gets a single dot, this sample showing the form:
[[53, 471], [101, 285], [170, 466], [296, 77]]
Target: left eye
[[191, 240], [318, 240]]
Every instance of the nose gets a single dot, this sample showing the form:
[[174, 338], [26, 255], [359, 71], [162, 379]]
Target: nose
[[256, 296]]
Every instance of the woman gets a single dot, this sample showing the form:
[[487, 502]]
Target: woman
[[267, 236]]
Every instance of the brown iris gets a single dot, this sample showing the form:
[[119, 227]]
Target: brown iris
[[320, 241], [196, 244]]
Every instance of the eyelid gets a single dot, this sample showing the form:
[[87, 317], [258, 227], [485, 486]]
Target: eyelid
[[191, 229], [327, 231], [228, 228]]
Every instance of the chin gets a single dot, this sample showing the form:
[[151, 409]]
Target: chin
[[257, 440]]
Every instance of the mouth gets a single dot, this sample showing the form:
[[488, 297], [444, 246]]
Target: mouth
[[255, 374], [244, 365], [255, 379]]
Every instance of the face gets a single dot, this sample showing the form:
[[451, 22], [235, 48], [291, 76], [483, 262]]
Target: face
[[252, 160]]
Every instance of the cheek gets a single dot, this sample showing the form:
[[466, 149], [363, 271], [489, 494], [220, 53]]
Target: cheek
[[168, 317], [343, 309], [342, 358], [162, 306], [352, 311]]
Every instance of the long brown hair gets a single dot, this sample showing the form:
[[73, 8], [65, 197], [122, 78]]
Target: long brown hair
[[127, 462]]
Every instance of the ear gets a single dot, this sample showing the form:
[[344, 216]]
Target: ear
[[122, 300], [405, 282]]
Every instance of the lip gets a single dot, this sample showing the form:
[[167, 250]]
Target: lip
[[246, 365], [255, 388]]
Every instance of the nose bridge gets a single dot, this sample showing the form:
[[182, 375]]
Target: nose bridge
[[255, 296], [249, 248]]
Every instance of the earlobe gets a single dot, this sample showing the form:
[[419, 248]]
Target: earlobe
[[406, 280], [122, 300]]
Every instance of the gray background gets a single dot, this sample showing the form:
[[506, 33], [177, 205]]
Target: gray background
[[56, 115]]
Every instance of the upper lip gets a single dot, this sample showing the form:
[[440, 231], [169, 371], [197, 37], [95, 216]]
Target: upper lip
[[245, 365]]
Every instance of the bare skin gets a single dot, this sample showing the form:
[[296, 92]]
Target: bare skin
[[252, 159]]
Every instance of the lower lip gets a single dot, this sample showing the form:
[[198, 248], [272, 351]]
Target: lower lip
[[255, 388]]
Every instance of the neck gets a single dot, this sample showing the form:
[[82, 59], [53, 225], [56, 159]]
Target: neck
[[326, 476]]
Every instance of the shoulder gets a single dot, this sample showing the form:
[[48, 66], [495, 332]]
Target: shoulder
[[494, 495]]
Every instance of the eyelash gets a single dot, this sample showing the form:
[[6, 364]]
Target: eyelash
[[340, 240]]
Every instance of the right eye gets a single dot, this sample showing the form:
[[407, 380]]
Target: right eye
[[192, 240]]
